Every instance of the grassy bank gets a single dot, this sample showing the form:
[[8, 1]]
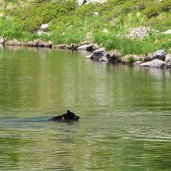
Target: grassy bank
[[106, 24]]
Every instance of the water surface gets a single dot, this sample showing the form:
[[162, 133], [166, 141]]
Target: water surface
[[125, 115]]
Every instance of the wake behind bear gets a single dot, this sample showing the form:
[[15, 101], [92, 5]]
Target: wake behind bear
[[68, 116]]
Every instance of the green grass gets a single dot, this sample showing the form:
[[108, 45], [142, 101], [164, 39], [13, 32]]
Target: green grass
[[72, 24]]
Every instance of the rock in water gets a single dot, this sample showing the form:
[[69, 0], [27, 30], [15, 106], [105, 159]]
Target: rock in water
[[156, 63], [99, 55]]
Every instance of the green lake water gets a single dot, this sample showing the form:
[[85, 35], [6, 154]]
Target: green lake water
[[125, 113]]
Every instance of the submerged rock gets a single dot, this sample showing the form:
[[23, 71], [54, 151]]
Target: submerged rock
[[137, 63], [156, 63]]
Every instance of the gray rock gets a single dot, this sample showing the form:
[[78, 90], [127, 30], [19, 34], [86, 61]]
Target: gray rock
[[81, 2], [156, 63], [167, 32], [140, 32], [2, 41], [137, 63], [159, 54], [44, 27], [88, 47], [99, 55]]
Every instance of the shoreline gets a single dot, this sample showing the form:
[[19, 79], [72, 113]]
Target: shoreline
[[158, 59]]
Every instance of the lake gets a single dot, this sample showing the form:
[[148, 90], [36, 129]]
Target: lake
[[125, 113]]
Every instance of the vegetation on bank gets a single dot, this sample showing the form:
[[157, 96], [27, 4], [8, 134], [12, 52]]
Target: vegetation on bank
[[106, 24]]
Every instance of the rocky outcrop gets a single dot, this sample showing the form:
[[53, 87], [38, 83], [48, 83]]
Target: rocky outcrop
[[39, 43], [13, 42], [140, 32]]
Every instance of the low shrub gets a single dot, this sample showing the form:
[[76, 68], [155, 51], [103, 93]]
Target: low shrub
[[152, 11], [165, 5], [30, 18]]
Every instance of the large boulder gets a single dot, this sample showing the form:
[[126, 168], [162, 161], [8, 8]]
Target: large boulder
[[98, 55], [156, 63], [159, 54]]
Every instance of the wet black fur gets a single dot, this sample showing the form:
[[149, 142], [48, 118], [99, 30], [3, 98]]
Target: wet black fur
[[68, 116]]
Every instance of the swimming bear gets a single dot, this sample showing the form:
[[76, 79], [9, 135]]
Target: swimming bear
[[68, 116]]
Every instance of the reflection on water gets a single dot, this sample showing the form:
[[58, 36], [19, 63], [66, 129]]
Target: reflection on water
[[125, 113]]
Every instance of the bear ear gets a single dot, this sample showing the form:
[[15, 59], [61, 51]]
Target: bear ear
[[68, 111]]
